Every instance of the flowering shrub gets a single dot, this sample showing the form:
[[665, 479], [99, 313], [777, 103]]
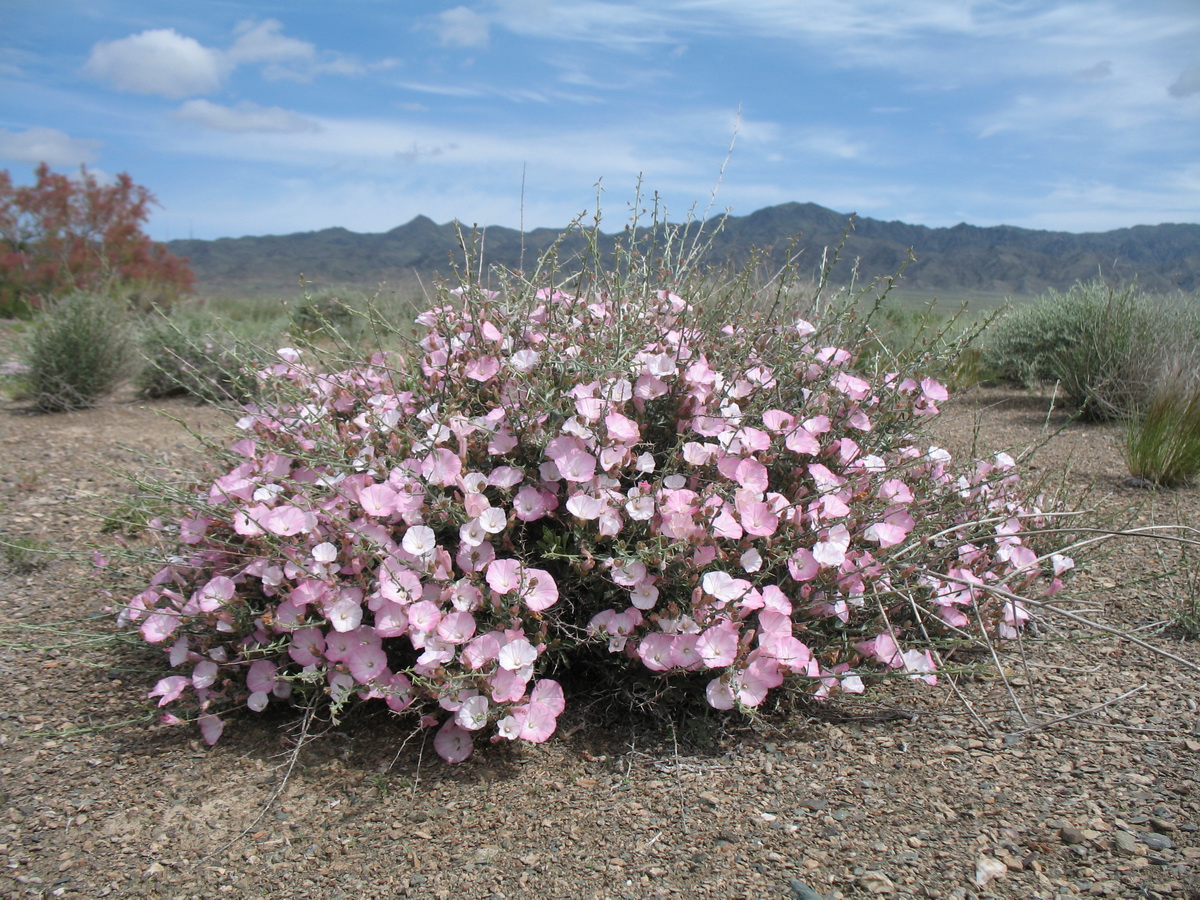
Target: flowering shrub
[[559, 474]]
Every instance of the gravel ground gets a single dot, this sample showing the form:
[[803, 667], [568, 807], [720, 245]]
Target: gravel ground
[[907, 792]]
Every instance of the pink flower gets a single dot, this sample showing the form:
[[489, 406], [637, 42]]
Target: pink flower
[[419, 540], [483, 368], [159, 625], [441, 467], [885, 534], [758, 520], [539, 724], [452, 742], [286, 521], [504, 575], [548, 693], [507, 686], [169, 688], [480, 651], [367, 662], [751, 475], [517, 655], [530, 504], [717, 645], [719, 694], [456, 628], [576, 465], [378, 499], [831, 550], [803, 565], [211, 727], [473, 714], [723, 586], [621, 428], [655, 651], [538, 589], [585, 506]]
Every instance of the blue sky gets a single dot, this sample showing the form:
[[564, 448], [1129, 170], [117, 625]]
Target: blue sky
[[276, 117]]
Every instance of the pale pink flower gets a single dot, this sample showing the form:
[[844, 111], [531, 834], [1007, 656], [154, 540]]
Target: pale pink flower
[[493, 520], [717, 645], [204, 674], [169, 688], [159, 625], [629, 572], [758, 520], [441, 467], [539, 724], [885, 535], [367, 662], [286, 521], [831, 550], [474, 557], [482, 368], [538, 589], [211, 727], [510, 726], [524, 360], [419, 540], [456, 628], [719, 694], [344, 614], [723, 586], [516, 655], [509, 686], [481, 651], [378, 499], [452, 742], [424, 616], [307, 646], [656, 651], [798, 440], [473, 714], [472, 533], [576, 465], [585, 506], [504, 575], [644, 595], [803, 565], [530, 504]]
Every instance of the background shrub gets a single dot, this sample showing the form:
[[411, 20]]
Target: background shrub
[[189, 354], [1105, 346], [78, 350]]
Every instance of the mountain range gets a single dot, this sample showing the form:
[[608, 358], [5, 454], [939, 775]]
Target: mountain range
[[961, 260]]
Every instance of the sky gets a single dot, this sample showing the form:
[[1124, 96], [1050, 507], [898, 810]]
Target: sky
[[253, 117]]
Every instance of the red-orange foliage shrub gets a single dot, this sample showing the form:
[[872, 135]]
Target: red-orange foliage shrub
[[65, 234]]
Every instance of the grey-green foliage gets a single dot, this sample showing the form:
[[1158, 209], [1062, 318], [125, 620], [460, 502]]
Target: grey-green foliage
[[327, 317], [1104, 345], [78, 350], [189, 354]]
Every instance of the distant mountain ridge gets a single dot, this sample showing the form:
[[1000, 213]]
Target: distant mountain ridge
[[965, 258]]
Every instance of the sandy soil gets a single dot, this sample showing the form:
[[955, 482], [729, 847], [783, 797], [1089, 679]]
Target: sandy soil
[[903, 793]]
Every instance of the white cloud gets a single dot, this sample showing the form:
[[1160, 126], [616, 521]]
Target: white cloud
[[261, 42], [48, 145], [832, 143], [244, 117], [160, 61], [462, 27]]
